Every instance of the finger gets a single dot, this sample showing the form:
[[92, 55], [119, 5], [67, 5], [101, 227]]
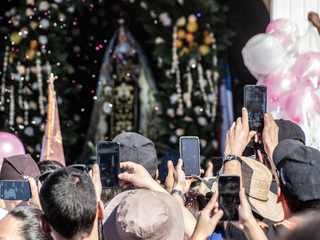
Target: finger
[[33, 187], [243, 199], [245, 116], [95, 172], [127, 165], [179, 165], [125, 176], [209, 172], [239, 121], [201, 171], [170, 168], [251, 134], [211, 203]]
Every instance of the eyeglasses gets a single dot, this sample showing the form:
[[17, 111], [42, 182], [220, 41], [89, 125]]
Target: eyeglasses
[[42, 177]]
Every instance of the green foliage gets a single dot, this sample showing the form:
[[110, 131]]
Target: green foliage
[[158, 19], [35, 22]]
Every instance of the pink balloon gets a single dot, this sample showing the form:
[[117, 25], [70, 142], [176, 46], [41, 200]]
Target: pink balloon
[[286, 31], [307, 69], [279, 85], [10, 145], [303, 105]]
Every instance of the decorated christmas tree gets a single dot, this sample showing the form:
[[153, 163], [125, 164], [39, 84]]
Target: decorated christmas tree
[[34, 36], [187, 38]]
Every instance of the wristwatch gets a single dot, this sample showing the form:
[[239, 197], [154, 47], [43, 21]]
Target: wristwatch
[[179, 193], [231, 157]]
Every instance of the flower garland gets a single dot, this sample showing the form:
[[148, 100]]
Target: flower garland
[[187, 96], [175, 69], [3, 85], [12, 106], [39, 79]]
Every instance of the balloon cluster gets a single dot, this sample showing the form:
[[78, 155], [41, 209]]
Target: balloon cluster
[[279, 59]]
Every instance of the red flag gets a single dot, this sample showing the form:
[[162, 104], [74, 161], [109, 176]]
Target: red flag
[[52, 147]]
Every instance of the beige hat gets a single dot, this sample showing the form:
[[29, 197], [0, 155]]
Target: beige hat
[[143, 214], [256, 179]]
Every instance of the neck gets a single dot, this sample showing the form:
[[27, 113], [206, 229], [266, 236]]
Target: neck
[[93, 235]]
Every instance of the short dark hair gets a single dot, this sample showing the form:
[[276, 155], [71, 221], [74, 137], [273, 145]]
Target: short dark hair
[[298, 207], [30, 226], [69, 202], [48, 165]]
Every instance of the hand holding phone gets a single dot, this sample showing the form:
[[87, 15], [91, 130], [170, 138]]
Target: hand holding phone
[[255, 101], [190, 154], [229, 201], [108, 158], [172, 155], [15, 190]]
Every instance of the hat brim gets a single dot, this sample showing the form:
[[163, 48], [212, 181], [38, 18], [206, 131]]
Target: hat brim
[[110, 211], [269, 209]]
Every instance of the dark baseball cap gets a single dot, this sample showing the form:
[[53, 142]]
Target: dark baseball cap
[[287, 130], [19, 168], [299, 168], [138, 149]]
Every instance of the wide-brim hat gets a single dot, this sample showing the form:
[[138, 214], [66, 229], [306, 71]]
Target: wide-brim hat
[[143, 214], [256, 179]]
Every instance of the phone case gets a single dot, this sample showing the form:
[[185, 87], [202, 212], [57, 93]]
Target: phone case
[[190, 167], [109, 166], [255, 101]]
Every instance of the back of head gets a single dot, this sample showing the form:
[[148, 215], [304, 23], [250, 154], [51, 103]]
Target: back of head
[[298, 167], [48, 165], [19, 167], [138, 149], [68, 200], [30, 226]]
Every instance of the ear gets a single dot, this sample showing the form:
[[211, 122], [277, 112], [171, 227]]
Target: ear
[[279, 195], [45, 226], [100, 210], [157, 175]]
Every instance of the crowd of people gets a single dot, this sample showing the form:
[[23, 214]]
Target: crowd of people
[[280, 190]]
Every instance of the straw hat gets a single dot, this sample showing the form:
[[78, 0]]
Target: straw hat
[[256, 179]]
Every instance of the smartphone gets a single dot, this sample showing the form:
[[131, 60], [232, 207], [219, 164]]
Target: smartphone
[[255, 101], [108, 159], [190, 154], [229, 201], [171, 154], [15, 190]]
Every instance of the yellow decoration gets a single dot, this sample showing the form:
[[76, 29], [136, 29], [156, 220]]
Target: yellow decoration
[[189, 37], [181, 34], [179, 43], [204, 49], [31, 54], [15, 38], [192, 27], [193, 44], [33, 44], [12, 55], [208, 40], [183, 51]]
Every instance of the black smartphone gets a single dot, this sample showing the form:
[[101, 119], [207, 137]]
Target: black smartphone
[[108, 159], [171, 154], [229, 201], [255, 101], [190, 154], [15, 190]]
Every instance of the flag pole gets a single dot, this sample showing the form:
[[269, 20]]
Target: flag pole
[[50, 117]]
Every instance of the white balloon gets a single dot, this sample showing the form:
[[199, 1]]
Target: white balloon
[[262, 54]]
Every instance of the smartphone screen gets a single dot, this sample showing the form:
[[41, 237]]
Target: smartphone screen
[[172, 155], [229, 201], [15, 190], [108, 159], [255, 101], [190, 154]]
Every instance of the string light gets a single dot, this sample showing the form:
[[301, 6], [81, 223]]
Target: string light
[[3, 84]]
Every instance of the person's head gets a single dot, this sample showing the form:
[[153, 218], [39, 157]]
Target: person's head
[[18, 168], [22, 223], [298, 169], [138, 149], [69, 204], [143, 214], [48, 165], [287, 130], [195, 202]]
